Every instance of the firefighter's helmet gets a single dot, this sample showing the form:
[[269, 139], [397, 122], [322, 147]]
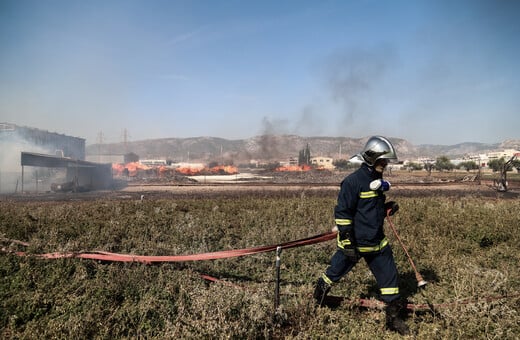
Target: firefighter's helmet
[[378, 147]]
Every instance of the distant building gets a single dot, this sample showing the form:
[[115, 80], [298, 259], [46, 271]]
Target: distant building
[[113, 159], [481, 159], [507, 154], [41, 145], [324, 162], [24, 138], [153, 162], [76, 175], [131, 157]]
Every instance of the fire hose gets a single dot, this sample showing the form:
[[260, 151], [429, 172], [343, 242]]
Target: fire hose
[[116, 257], [367, 303]]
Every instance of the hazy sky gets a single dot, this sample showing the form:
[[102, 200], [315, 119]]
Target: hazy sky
[[432, 72]]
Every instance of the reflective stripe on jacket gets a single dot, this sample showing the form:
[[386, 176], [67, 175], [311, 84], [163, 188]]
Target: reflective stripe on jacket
[[360, 210]]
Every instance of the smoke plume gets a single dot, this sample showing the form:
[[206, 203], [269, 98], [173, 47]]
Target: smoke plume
[[10, 161], [352, 78]]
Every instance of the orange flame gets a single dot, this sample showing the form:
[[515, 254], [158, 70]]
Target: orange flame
[[294, 168], [219, 169], [224, 169], [132, 168], [188, 171]]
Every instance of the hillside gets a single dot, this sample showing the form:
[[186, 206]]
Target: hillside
[[274, 147]]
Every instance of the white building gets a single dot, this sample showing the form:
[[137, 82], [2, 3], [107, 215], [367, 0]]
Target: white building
[[481, 159], [484, 159], [324, 162], [507, 154]]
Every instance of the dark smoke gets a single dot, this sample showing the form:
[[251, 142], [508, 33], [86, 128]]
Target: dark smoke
[[269, 140], [351, 77], [309, 122]]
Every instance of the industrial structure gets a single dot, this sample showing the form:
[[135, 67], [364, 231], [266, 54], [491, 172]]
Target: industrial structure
[[79, 175], [56, 161], [41, 140]]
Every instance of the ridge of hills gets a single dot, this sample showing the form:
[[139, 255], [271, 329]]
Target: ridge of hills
[[279, 147]]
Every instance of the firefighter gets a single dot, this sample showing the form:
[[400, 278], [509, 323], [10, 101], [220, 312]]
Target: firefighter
[[359, 216]]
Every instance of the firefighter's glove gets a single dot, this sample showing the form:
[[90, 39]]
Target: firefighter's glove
[[380, 184], [391, 208], [351, 253], [347, 245]]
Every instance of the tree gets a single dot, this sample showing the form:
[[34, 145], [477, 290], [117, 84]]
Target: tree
[[305, 156], [443, 163], [496, 164], [429, 167], [468, 165], [344, 164], [340, 164], [516, 164], [503, 167], [414, 166]]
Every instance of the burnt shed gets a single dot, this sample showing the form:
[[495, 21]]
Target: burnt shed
[[80, 175]]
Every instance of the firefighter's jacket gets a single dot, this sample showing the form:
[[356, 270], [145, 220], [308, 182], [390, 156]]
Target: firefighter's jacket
[[361, 211]]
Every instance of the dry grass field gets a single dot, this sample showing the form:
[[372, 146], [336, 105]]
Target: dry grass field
[[464, 240]]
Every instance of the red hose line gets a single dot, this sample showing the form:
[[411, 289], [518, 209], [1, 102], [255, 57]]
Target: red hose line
[[115, 257], [368, 303]]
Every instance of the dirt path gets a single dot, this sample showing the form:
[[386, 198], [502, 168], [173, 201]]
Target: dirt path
[[162, 190]]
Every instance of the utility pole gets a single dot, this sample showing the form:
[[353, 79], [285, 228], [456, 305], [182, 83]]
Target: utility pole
[[125, 140], [99, 142], [479, 170]]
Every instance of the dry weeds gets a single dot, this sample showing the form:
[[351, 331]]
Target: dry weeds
[[465, 246]]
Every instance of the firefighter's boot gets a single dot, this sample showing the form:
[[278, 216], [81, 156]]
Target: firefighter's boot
[[395, 315], [321, 291]]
